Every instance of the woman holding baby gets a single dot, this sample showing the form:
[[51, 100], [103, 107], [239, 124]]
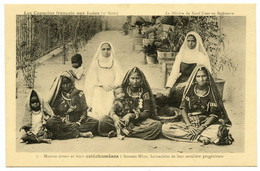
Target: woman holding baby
[[138, 124]]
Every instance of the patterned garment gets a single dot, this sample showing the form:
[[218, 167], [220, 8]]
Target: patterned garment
[[206, 105], [121, 107]]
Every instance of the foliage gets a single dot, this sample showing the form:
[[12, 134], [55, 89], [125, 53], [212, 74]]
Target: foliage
[[150, 49], [126, 27], [213, 40], [39, 34]]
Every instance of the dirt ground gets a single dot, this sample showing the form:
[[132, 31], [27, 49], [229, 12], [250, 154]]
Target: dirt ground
[[128, 58]]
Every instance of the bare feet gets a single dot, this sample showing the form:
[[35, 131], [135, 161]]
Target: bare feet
[[48, 141], [86, 134], [111, 134], [125, 131], [204, 140], [120, 137], [21, 141]]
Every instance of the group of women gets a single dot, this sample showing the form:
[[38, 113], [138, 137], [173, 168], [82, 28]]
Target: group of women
[[190, 87]]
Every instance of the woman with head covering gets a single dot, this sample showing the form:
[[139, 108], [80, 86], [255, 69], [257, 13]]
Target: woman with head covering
[[103, 75], [37, 112], [70, 109], [140, 125], [191, 54], [204, 115]]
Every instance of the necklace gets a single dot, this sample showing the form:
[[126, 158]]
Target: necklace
[[140, 92], [139, 96], [65, 98], [36, 112], [203, 95], [106, 67]]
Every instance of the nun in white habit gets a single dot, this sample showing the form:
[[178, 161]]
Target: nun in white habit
[[191, 54], [103, 75]]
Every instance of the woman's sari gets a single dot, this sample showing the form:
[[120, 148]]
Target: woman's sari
[[74, 121], [199, 109]]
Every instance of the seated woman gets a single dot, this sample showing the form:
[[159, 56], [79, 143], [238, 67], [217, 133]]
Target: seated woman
[[37, 112], [70, 108], [205, 118], [191, 54], [140, 125]]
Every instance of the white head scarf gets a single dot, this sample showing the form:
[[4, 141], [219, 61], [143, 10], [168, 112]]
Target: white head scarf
[[45, 107], [99, 60], [197, 55]]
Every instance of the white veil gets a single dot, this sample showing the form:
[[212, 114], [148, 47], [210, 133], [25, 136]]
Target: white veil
[[197, 55]]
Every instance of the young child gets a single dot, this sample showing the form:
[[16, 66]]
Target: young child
[[120, 108], [37, 111], [79, 71]]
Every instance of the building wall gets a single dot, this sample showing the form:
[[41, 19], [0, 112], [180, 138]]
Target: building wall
[[114, 23], [235, 30]]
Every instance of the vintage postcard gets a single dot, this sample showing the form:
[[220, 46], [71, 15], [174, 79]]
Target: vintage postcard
[[131, 85]]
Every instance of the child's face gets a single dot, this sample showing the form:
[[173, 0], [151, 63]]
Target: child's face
[[75, 64], [35, 103], [119, 93]]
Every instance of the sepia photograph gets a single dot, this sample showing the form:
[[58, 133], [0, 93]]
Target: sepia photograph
[[115, 83]]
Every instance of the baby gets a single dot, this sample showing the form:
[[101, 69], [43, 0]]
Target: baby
[[122, 105]]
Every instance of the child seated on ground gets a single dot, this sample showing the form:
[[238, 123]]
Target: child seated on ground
[[37, 111], [122, 106], [79, 71]]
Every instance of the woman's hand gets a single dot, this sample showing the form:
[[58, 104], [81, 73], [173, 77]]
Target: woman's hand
[[194, 120], [89, 109], [180, 86], [29, 133], [168, 91], [195, 132], [116, 120], [127, 118], [107, 88]]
